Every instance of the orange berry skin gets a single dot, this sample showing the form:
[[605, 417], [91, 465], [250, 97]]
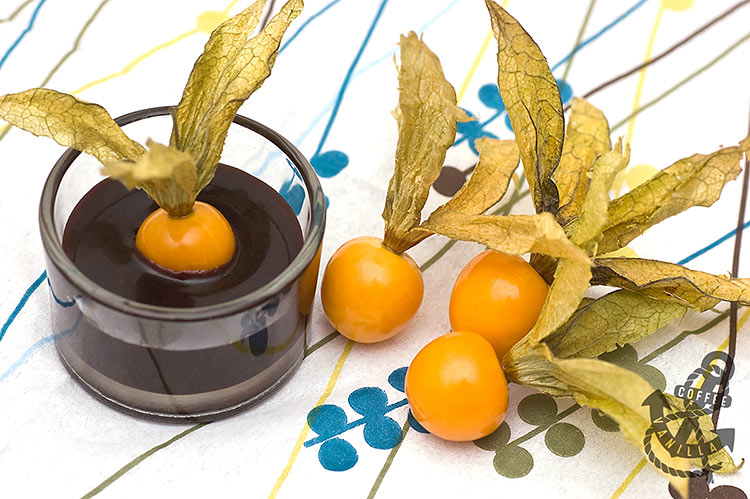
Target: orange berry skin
[[498, 296], [456, 387], [370, 293], [201, 241]]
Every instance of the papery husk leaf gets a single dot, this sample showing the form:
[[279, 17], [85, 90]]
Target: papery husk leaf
[[513, 234], [617, 318], [593, 216], [532, 100], [565, 294], [693, 181], [586, 138], [427, 114], [70, 122], [166, 174], [489, 181], [669, 281], [618, 392], [230, 69], [486, 186]]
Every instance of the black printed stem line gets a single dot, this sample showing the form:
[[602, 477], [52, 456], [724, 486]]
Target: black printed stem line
[[684, 81], [666, 52], [65, 57], [389, 460], [576, 46], [733, 306], [16, 12]]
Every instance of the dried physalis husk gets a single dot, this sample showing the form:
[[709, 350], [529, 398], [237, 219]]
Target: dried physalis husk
[[532, 100], [619, 317], [514, 234], [70, 122], [164, 173], [586, 138], [427, 114], [231, 68], [693, 181], [672, 282], [586, 229], [488, 183]]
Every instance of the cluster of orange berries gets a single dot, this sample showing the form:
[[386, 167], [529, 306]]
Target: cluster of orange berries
[[455, 385]]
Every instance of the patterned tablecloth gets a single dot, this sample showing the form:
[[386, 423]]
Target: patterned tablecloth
[[333, 89]]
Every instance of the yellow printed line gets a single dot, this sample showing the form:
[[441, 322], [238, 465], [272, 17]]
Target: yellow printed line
[[477, 60], [136, 61], [638, 467], [642, 77], [306, 429], [475, 65], [629, 479], [148, 54]]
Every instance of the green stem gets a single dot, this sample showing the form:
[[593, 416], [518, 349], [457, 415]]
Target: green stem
[[389, 461], [135, 462]]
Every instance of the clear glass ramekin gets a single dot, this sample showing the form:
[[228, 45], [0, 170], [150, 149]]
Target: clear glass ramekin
[[195, 363]]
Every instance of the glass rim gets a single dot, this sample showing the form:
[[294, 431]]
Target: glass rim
[[306, 255]]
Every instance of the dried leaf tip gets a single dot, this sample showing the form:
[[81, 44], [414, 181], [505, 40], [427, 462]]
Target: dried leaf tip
[[426, 115], [533, 103], [231, 68], [167, 175]]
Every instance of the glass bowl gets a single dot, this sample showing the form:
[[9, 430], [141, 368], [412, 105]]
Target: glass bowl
[[196, 363]]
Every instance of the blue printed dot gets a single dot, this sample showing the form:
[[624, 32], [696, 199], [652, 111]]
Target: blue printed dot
[[368, 401], [397, 379], [294, 196], [270, 307], [337, 455], [566, 91], [490, 97], [415, 424], [330, 163], [258, 342], [382, 433], [507, 122], [327, 420]]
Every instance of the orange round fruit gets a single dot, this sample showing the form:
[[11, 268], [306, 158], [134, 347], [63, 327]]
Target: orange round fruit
[[200, 241], [456, 387], [370, 293], [498, 296]]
